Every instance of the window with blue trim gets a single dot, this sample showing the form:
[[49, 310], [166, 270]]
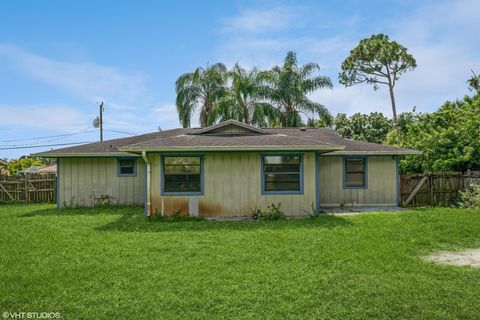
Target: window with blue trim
[[282, 173], [355, 173], [126, 167], [182, 174]]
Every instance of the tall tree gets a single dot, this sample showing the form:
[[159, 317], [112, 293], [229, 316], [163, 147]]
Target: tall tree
[[287, 87], [373, 127], [200, 89], [377, 60], [243, 101], [474, 82], [449, 138]]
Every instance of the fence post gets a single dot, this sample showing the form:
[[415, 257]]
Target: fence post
[[432, 193], [26, 187]]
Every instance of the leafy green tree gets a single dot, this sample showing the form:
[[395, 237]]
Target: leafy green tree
[[319, 123], [16, 165], [372, 127], [448, 138], [377, 60], [200, 89], [287, 87], [243, 101], [474, 83]]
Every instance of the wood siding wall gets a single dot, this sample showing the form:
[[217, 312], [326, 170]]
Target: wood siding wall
[[83, 180], [382, 183], [232, 187]]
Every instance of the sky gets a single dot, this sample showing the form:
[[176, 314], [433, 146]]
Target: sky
[[59, 59]]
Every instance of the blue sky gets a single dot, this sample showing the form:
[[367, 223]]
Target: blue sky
[[59, 58]]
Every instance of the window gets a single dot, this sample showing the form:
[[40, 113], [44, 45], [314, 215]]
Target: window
[[182, 175], [126, 167], [355, 173], [282, 174]]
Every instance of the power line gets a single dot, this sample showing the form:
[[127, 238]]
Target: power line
[[46, 145], [40, 142], [46, 137], [126, 132]]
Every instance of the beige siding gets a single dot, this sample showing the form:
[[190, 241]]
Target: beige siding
[[232, 187], [230, 129], [381, 191], [83, 179]]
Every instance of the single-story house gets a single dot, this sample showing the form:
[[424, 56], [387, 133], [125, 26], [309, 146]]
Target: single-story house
[[229, 169], [46, 169], [3, 166]]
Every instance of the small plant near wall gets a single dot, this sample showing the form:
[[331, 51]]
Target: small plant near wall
[[273, 212], [314, 212], [470, 198]]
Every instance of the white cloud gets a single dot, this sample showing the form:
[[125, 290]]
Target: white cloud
[[441, 35], [88, 80], [168, 117], [60, 118], [263, 20]]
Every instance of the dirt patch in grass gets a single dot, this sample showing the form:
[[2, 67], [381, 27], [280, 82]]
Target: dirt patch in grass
[[469, 257]]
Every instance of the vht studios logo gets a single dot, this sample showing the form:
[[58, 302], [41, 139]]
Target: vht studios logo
[[31, 315]]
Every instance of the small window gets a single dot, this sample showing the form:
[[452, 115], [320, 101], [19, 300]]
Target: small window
[[355, 173], [126, 167], [182, 174], [282, 174]]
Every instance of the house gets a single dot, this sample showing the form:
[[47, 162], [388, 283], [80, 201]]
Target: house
[[3, 167], [228, 169], [47, 169]]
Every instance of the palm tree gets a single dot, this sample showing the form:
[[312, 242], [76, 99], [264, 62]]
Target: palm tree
[[200, 89], [242, 101], [287, 87]]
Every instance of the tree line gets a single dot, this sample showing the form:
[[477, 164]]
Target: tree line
[[279, 97], [449, 138], [276, 97]]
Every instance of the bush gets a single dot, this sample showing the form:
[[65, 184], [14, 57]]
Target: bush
[[470, 198], [314, 212], [273, 212]]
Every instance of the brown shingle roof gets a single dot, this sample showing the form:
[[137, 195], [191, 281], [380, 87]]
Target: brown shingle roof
[[279, 140], [183, 139], [351, 146]]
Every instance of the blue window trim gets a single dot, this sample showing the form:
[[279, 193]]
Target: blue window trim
[[134, 174], [365, 186], [264, 192], [188, 193]]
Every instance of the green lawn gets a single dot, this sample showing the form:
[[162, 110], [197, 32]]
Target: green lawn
[[111, 263]]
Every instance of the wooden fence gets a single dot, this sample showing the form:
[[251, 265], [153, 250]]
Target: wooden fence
[[435, 189], [28, 188]]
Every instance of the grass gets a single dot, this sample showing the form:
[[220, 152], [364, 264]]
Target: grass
[[110, 263]]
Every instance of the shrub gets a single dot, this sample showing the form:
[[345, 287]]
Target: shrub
[[470, 198], [273, 212], [314, 212]]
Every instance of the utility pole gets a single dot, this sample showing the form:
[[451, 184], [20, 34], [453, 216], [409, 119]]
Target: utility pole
[[101, 121]]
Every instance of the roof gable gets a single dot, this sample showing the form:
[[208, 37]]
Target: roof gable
[[231, 127]]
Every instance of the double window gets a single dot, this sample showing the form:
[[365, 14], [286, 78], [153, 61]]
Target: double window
[[282, 174], [126, 167], [182, 175], [355, 173]]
